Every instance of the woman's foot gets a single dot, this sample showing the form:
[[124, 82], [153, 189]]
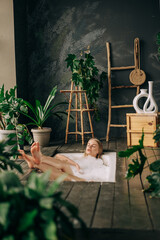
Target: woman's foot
[[36, 153], [27, 158]]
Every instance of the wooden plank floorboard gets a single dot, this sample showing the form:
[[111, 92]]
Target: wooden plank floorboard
[[104, 210], [153, 204], [84, 196], [112, 146], [112, 211], [65, 188], [121, 214]]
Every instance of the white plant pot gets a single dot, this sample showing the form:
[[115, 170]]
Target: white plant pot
[[4, 136], [42, 136]]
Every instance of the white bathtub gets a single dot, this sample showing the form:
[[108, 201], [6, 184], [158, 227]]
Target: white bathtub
[[109, 160]]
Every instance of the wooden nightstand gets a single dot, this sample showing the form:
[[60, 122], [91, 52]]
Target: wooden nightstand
[[136, 122]]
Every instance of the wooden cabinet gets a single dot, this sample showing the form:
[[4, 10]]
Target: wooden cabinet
[[137, 122]]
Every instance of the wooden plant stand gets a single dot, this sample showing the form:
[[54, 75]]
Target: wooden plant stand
[[78, 109]]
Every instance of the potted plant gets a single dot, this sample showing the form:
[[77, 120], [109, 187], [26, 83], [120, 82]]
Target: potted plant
[[23, 206], [7, 157], [10, 108], [86, 75], [40, 115]]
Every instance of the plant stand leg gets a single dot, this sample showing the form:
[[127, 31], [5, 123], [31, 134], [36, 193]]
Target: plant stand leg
[[69, 112], [89, 115], [76, 105], [81, 112]]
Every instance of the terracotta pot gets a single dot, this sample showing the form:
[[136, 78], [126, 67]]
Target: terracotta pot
[[42, 136]]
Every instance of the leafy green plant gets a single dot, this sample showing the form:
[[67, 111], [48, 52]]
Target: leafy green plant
[[7, 155], [35, 210], [10, 108], [158, 43], [42, 113], [137, 165], [154, 179], [86, 75], [156, 136]]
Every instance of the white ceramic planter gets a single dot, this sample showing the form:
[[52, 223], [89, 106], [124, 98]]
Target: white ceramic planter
[[42, 136], [4, 135], [150, 105], [143, 93]]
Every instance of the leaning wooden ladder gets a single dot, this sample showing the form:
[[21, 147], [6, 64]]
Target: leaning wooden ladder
[[110, 87], [78, 109]]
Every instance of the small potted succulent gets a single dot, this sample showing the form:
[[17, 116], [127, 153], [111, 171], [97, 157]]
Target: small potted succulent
[[10, 108], [40, 114]]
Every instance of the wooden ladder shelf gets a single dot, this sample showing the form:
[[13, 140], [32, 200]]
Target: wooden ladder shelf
[[78, 109], [110, 87]]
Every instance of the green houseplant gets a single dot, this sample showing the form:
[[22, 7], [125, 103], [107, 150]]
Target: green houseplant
[[86, 75], [7, 157], [10, 108], [137, 166], [40, 114], [35, 210]]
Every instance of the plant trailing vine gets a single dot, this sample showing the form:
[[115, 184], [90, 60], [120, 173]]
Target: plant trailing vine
[[86, 75]]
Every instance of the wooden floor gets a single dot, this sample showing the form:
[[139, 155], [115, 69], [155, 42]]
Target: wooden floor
[[112, 211]]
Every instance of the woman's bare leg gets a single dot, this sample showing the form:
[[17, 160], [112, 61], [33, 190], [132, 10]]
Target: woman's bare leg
[[36, 153], [27, 158], [55, 173], [39, 158], [45, 163]]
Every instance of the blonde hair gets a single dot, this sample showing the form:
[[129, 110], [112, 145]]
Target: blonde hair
[[99, 155]]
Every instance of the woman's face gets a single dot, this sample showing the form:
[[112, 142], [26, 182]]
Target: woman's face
[[92, 148]]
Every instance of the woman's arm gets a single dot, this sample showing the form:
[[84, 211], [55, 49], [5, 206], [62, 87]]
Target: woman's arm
[[67, 160]]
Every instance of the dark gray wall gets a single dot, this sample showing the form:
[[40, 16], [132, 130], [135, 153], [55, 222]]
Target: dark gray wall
[[56, 28]]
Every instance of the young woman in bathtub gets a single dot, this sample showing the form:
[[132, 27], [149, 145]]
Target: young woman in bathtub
[[88, 168]]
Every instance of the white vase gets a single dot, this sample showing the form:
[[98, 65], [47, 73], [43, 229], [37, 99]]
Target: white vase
[[150, 105], [143, 93]]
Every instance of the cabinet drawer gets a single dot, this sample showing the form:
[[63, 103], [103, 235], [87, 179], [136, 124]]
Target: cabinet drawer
[[143, 122], [136, 123]]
